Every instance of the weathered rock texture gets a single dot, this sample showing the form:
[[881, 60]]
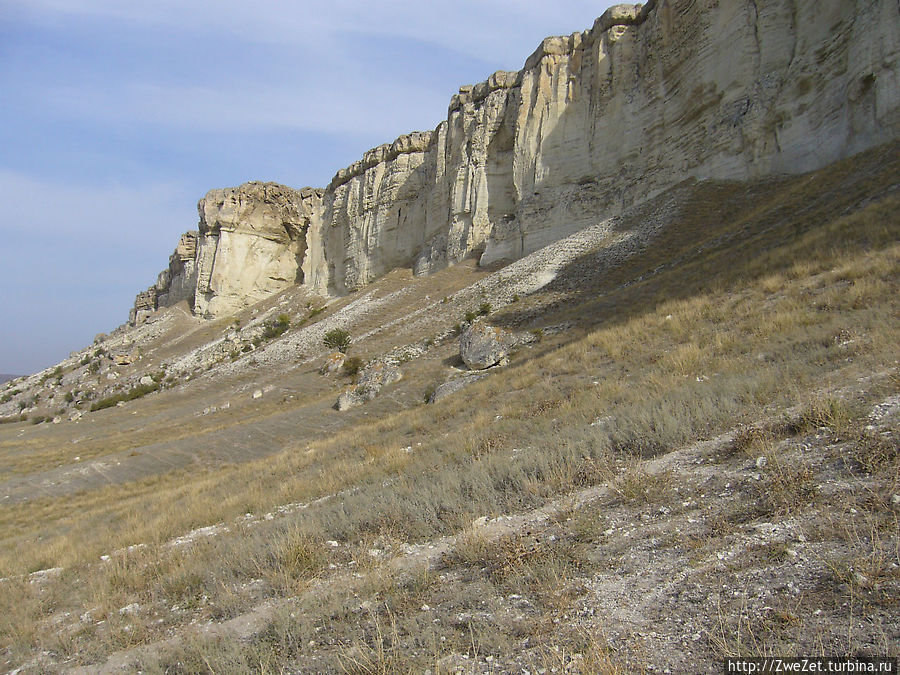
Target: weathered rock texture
[[599, 120], [174, 284], [482, 346], [252, 243], [372, 379], [595, 122]]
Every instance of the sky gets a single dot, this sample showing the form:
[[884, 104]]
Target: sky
[[117, 116]]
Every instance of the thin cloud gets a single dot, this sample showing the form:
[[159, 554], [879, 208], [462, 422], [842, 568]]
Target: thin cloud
[[60, 210]]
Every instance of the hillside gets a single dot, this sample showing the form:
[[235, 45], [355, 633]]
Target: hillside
[[600, 376], [708, 387]]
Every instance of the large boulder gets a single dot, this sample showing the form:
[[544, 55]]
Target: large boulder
[[375, 376], [482, 346]]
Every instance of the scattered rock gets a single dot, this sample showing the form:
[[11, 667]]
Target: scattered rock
[[258, 393], [333, 363], [482, 346], [452, 386], [372, 379], [123, 359], [146, 380]]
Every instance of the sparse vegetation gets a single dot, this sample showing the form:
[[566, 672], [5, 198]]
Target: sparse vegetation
[[337, 338], [352, 366], [601, 448], [276, 328], [130, 395]]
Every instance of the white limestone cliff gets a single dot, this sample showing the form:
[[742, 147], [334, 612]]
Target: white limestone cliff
[[175, 283], [600, 120], [595, 122], [252, 244]]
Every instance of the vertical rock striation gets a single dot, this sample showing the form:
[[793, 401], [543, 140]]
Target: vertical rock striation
[[252, 244], [595, 122], [174, 284]]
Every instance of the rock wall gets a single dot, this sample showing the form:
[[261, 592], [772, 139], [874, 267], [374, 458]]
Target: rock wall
[[179, 281], [595, 122], [175, 283], [599, 120], [252, 244]]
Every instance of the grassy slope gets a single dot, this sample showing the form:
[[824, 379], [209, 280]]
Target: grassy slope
[[758, 297]]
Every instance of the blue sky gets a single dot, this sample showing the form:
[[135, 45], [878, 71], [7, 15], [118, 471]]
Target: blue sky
[[117, 116]]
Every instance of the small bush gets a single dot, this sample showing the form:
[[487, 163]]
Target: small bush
[[12, 420], [337, 338], [136, 392], [470, 316], [38, 419], [484, 309], [69, 397], [276, 328], [352, 366]]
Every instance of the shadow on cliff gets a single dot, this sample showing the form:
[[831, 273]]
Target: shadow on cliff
[[703, 237]]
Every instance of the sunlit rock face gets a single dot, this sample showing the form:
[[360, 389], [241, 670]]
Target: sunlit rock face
[[594, 123], [600, 120], [252, 244]]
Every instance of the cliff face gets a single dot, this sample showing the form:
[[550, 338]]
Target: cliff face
[[252, 242], [599, 120], [594, 122], [175, 283]]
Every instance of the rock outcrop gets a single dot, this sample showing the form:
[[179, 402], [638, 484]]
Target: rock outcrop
[[482, 346], [595, 122], [372, 379], [252, 243], [174, 284]]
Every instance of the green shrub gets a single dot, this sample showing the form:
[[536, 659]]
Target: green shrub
[[352, 366], [130, 395], [337, 338], [276, 328], [69, 397], [470, 316], [484, 308]]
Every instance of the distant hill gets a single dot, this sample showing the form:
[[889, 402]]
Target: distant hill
[[6, 377]]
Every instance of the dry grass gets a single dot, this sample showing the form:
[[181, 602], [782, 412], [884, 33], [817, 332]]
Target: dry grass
[[750, 330]]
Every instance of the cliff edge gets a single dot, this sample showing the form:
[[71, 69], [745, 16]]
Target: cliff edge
[[595, 122]]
